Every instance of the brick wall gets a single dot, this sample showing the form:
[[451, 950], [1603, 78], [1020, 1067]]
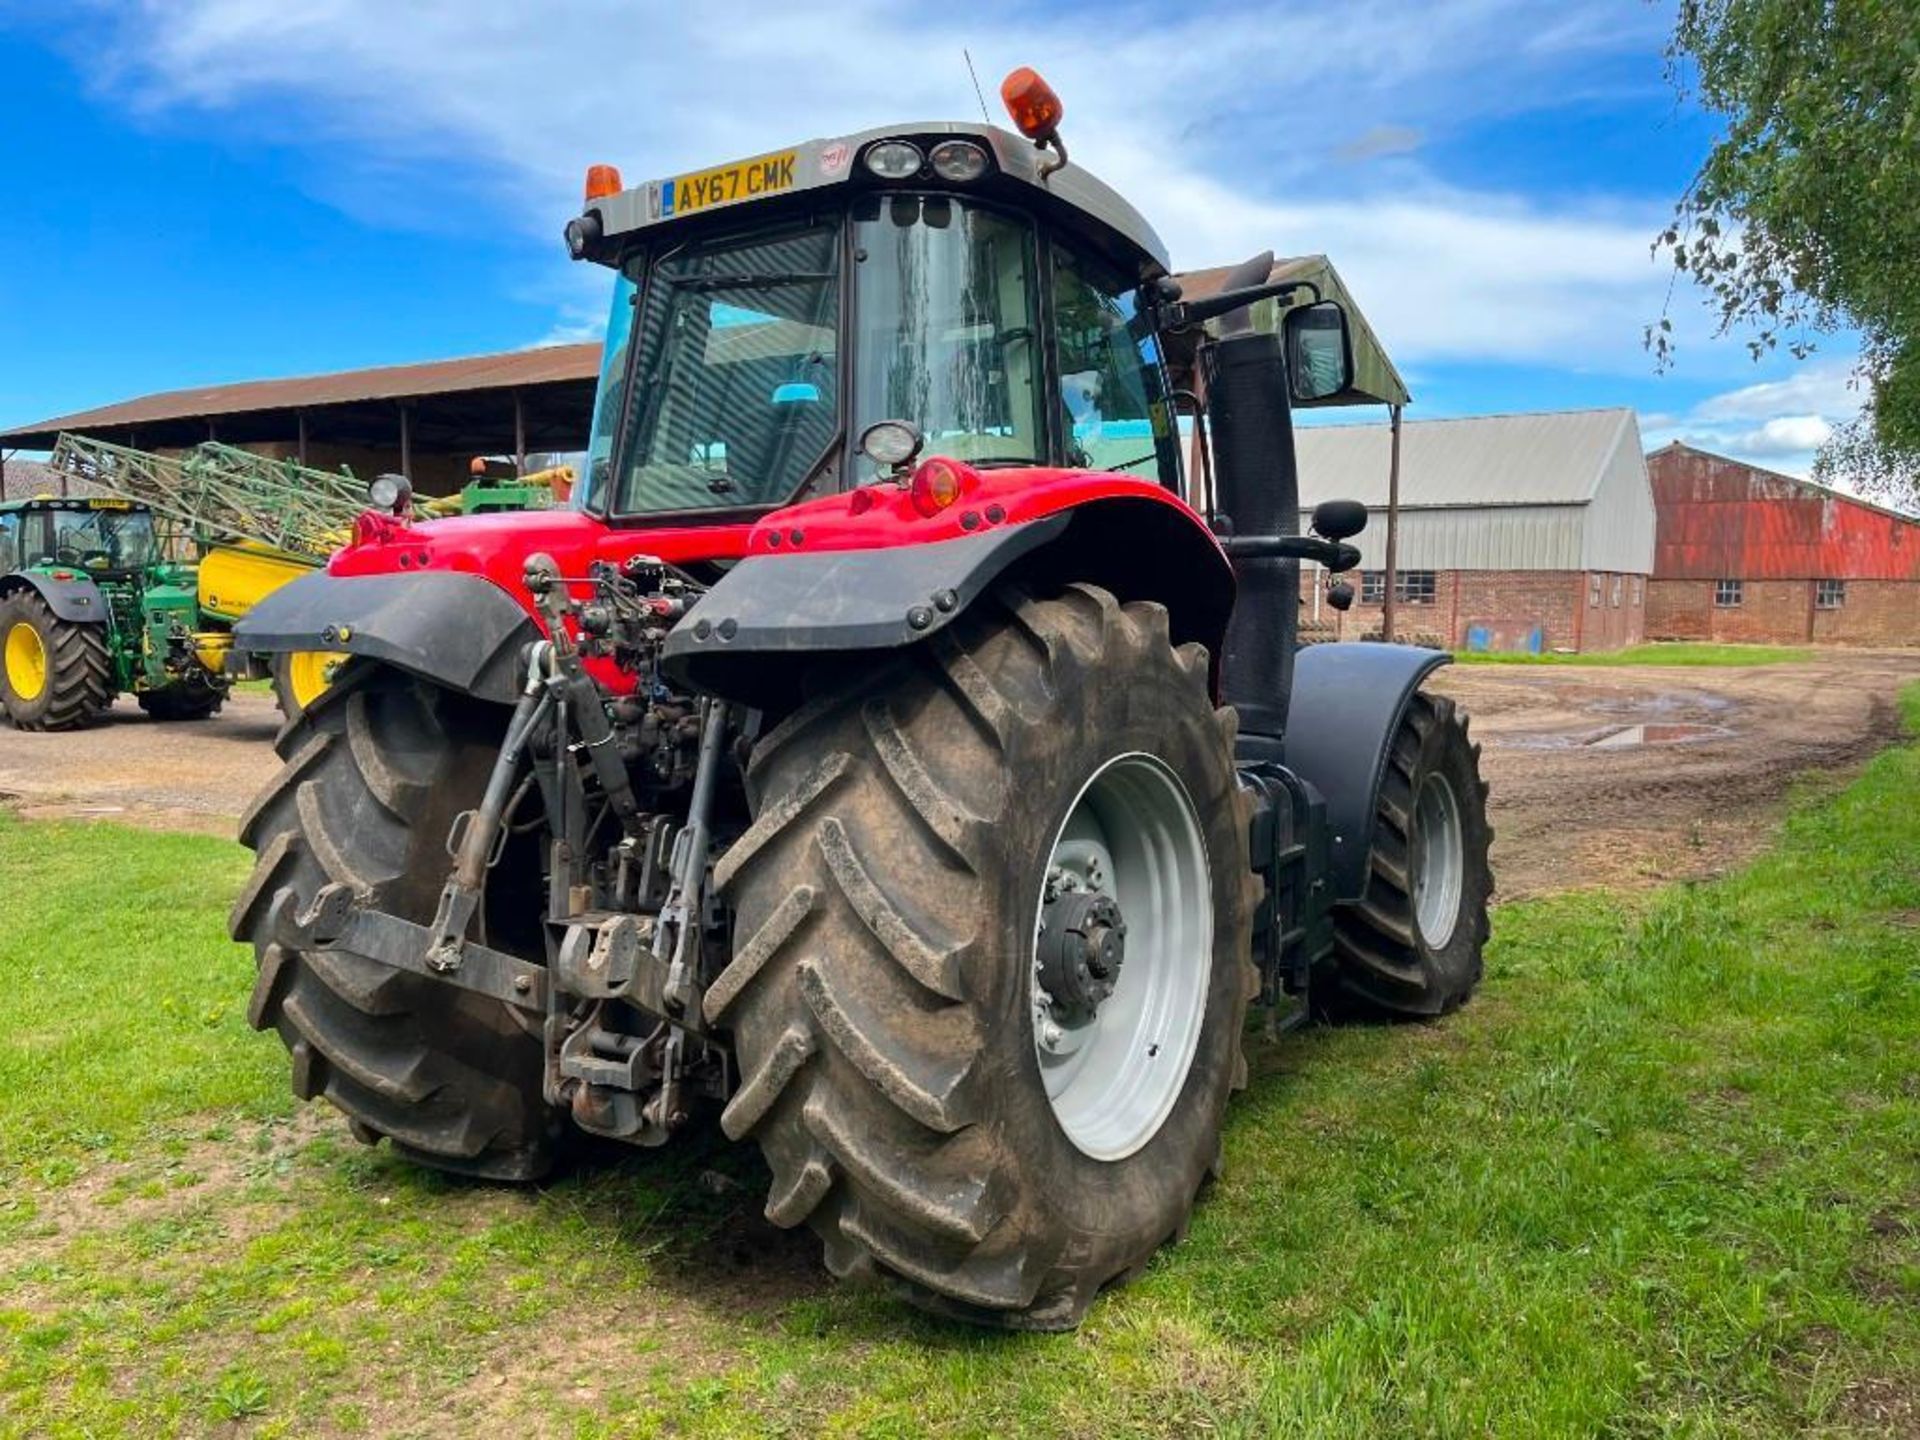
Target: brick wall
[[1874, 612], [1504, 610], [1782, 612]]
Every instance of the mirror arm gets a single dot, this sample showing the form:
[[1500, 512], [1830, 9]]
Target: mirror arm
[[1184, 314], [1334, 555]]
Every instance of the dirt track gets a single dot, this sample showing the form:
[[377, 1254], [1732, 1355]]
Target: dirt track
[[1569, 813]]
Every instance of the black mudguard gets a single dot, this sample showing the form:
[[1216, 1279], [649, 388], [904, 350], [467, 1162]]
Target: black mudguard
[[1347, 703], [460, 631], [78, 600], [772, 607]]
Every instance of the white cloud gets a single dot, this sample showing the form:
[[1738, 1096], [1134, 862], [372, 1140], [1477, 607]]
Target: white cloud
[[1218, 124], [1795, 416]]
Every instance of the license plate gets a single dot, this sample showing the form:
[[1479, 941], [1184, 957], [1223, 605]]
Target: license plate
[[747, 180]]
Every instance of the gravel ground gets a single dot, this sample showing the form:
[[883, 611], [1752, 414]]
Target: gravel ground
[[1574, 802]]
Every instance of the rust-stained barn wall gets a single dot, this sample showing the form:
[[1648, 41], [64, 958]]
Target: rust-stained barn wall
[[1719, 519]]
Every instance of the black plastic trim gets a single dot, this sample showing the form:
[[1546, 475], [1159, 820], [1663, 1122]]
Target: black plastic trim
[[78, 600], [1346, 704], [461, 631], [836, 601]]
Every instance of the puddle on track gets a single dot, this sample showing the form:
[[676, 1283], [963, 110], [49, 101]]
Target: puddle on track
[[1620, 737], [1658, 734]]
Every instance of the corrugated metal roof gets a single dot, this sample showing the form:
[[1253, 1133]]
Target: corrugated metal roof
[[1722, 519], [548, 364], [1554, 458]]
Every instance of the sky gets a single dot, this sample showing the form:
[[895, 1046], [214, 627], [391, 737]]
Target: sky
[[214, 190]]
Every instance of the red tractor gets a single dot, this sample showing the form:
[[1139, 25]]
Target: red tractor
[[888, 750]]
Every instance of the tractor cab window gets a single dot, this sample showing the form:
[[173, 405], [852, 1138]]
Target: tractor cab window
[[609, 397], [945, 308], [92, 539], [1112, 391], [735, 373], [9, 543]]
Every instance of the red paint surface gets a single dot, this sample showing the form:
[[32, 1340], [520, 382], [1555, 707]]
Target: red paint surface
[[870, 518], [1721, 520]]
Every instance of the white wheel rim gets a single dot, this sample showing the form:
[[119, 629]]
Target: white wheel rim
[[1132, 834], [1439, 860]]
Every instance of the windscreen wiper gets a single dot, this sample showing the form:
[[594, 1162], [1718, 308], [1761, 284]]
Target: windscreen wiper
[[746, 280]]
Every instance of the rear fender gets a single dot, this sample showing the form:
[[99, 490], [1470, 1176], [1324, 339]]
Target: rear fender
[[458, 630], [1347, 702], [78, 600], [773, 614]]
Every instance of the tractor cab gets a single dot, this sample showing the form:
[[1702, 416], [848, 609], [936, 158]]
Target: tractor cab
[[951, 279], [104, 538]]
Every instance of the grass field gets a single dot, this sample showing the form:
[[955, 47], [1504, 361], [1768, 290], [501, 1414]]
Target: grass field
[[1666, 653], [1661, 1178]]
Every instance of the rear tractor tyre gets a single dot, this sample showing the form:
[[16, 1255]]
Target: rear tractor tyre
[[990, 965], [1412, 944], [54, 674], [374, 774], [182, 702]]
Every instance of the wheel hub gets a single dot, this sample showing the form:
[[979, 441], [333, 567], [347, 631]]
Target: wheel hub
[[26, 661], [1122, 950], [1082, 946]]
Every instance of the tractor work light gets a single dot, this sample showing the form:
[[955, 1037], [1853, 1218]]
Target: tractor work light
[[890, 444], [391, 493], [937, 484], [1035, 110], [895, 160], [958, 161], [602, 181]]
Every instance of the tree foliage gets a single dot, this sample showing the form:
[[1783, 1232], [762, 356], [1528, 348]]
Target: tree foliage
[[1805, 216]]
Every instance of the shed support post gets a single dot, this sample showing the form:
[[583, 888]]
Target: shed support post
[[406, 444], [519, 436], [300, 442], [1387, 606]]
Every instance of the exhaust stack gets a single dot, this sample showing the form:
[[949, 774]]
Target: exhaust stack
[[1257, 489]]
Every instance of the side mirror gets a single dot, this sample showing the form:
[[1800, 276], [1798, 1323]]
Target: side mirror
[[1319, 351], [1339, 519]]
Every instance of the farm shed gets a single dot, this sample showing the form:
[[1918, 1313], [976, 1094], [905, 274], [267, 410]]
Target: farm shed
[[1744, 554], [1517, 532]]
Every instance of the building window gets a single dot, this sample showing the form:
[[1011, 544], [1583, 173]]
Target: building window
[[1373, 587], [1727, 593], [1593, 592], [1639, 590], [1619, 586], [1414, 587], [1829, 594]]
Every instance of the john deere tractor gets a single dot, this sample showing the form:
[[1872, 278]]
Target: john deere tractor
[[91, 607], [890, 756]]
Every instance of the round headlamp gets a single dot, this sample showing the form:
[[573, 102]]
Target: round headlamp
[[891, 444], [392, 493], [581, 232], [958, 160], [895, 160]]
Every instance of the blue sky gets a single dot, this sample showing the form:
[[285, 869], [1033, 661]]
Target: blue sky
[[212, 190]]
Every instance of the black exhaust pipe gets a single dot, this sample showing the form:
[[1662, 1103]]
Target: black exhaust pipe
[[1257, 489]]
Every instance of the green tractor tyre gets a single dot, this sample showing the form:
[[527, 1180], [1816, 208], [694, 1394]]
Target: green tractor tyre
[[54, 674]]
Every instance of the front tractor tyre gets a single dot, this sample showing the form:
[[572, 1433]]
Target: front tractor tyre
[[54, 674], [1412, 943], [990, 966], [374, 774]]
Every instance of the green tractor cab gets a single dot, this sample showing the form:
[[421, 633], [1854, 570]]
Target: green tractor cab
[[92, 605]]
